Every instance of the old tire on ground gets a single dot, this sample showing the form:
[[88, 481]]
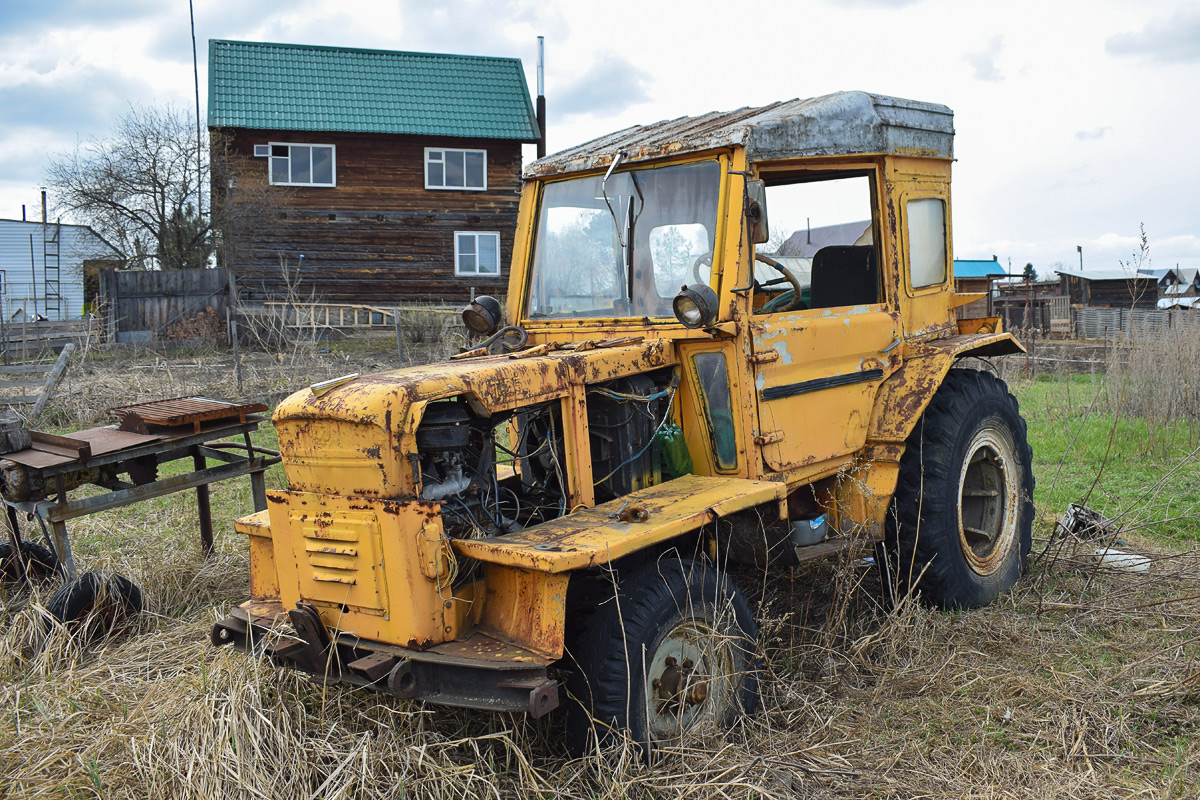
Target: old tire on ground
[[675, 650], [36, 562], [963, 508], [108, 598]]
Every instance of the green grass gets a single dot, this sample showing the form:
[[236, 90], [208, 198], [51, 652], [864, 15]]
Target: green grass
[[1086, 452]]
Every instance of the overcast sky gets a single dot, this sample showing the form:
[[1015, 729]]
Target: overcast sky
[[1075, 121]]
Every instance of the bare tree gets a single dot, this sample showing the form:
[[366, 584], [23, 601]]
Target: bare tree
[[141, 188]]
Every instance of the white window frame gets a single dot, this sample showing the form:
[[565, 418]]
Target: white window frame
[[271, 159], [476, 274], [443, 187]]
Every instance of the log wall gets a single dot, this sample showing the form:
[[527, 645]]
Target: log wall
[[379, 236]]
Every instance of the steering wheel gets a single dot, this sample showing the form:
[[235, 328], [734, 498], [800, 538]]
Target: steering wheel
[[706, 260], [795, 302]]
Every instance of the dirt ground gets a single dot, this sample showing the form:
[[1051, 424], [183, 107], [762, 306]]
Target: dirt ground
[[1081, 683]]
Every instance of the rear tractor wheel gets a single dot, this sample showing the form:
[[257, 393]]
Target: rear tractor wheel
[[962, 516]]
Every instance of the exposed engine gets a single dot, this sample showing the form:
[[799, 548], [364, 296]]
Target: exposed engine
[[502, 473]]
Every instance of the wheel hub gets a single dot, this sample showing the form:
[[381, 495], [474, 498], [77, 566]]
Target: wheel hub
[[685, 679], [678, 687], [987, 501]]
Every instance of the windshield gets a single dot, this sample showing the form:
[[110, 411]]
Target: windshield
[[661, 222]]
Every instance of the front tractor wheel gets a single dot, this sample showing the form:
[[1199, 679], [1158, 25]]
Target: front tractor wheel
[[673, 651], [962, 518]]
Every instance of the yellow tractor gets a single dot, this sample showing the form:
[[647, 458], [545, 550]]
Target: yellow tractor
[[677, 382]]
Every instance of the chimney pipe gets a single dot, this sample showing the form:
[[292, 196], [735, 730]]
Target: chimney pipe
[[23, 212], [541, 97], [43, 205]]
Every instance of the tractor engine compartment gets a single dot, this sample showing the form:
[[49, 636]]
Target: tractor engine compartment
[[505, 472]]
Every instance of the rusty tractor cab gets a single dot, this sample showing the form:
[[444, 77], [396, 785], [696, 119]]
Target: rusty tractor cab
[[730, 338]]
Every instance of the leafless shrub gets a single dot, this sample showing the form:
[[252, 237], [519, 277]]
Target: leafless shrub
[[1159, 375]]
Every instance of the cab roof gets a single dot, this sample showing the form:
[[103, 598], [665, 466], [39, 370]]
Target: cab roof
[[843, 123]]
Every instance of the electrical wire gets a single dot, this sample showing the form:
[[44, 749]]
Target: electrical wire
[[642, 452]]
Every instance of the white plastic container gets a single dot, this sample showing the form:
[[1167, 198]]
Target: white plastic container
[[807, 532]]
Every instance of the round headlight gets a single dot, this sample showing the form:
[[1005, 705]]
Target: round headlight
[[483, 315], [695, 306]]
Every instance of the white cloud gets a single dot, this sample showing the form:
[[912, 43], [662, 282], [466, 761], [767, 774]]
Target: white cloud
[[1166, 39], [983, 63], [609, 86]]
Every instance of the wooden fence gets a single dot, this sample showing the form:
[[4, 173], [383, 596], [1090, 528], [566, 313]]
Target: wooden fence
[[1106, 323], [22, 339], [155, 306]]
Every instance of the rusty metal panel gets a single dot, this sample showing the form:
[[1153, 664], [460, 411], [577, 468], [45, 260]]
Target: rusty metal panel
[[596, 536], [903, 397], [528, 608], [331, 551], [186, 410], [843, 123]]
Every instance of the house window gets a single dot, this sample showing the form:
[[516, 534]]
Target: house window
[[455, 169], [476, 253], [303, 165]]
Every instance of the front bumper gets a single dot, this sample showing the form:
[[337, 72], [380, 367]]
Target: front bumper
[[478, 671]]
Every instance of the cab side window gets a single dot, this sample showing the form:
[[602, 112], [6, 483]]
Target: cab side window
[[822, 251], [926, 241]]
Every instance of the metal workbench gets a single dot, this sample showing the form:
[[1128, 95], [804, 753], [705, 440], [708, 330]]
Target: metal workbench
[[110, 453]]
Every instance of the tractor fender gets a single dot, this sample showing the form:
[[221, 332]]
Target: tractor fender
[[904, 395]]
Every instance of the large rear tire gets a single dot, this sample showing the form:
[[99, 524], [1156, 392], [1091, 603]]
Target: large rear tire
[[962, 516], [675, 649]]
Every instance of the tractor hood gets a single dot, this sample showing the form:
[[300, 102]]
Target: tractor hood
[[362, 432]]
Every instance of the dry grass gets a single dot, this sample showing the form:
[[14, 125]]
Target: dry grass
[[1087, 689], [1082, 683], [113, 378], [1159, 375]]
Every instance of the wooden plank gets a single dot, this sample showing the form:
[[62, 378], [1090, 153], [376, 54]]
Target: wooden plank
[[53, 378], [61, 445], [20, 384], [27, 369], [18, 400]]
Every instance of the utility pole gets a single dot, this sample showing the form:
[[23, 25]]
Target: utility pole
[[541, 97]]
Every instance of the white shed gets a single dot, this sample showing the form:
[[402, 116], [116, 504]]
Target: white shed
[[41, 267]]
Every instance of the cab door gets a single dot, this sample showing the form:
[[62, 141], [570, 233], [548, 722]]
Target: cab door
[[822, 336], [816, 373]]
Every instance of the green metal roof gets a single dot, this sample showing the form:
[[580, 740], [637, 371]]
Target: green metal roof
[[296, 87]]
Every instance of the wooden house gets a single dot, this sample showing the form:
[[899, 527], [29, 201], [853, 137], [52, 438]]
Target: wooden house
[[389, 176], [1108, 288], [1179, 283], [1032, 304]]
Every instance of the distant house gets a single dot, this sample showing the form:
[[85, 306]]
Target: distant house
[[1108, 288], [44, 268], [805, 243], [974, 276], [1179, 283], [396, 175]]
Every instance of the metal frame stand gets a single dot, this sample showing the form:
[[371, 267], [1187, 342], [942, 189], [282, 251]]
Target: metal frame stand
[[52, 514]]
